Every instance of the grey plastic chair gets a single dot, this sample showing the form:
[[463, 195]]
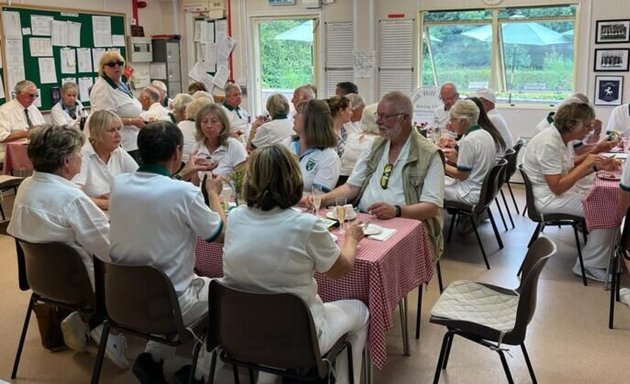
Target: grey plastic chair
[[489, 315]]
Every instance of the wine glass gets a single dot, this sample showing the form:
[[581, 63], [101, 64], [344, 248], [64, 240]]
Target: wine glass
[[340, 210], [316, 194], [226, 192]]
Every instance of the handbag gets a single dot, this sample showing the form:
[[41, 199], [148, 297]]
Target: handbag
[[49, 318]]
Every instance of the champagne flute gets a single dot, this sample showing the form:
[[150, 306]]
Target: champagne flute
[[316, 194], [226, 192], [340, 210]]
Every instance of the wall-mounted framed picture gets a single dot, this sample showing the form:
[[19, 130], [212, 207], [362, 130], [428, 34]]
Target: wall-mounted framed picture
[[608, 90], [611, 60], [612, 31]]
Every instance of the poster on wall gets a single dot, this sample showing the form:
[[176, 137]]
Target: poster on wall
[[608, 90]]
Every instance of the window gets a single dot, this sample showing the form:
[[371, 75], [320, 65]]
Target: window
[[525, 54], [284, 58]]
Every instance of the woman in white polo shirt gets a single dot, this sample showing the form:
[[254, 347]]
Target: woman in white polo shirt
[[315, 145], [103, 158], [68, 111], [214, 141], [474, 156]]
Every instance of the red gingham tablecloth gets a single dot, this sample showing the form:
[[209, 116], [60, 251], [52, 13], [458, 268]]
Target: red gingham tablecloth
[[384, 273], [601, 207], [16, 158]]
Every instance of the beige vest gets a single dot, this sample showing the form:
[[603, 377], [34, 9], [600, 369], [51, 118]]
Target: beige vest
[[421, 153]]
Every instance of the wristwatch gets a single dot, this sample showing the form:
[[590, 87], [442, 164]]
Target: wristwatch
[[398, 210]]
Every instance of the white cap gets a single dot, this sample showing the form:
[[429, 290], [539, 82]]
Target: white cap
[[159, 85], [488, 94]]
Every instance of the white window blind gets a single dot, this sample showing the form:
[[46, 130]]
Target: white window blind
[[396, 69], [339, 60]]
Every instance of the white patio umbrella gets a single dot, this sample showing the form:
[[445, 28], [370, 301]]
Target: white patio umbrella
[[518, 33], [303, 32]]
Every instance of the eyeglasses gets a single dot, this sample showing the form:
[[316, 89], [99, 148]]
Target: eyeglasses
[[385, 116], [115, 63], [385, 177], [33, 95]]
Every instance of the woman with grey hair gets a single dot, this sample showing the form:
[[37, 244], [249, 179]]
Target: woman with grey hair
[[179, 104], [474, 156], [50, 208], [69, 110], [103, 159], [555, 174], [357, 141], [272, 128], [187, 126], [358, 105]]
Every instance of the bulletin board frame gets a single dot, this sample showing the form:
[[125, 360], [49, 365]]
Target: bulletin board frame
[[118, 25]]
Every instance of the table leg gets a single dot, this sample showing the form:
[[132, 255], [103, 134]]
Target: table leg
[[368, 368], [404, 325]]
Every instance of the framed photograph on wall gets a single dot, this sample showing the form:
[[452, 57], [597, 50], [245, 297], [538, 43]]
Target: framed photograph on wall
[[611, 60], [612, 31], [608, 90]]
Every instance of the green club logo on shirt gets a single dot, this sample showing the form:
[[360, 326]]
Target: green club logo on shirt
[[310, 164]]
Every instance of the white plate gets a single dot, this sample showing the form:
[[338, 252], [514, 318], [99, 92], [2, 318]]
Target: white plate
[[372, 229], [350, 214]]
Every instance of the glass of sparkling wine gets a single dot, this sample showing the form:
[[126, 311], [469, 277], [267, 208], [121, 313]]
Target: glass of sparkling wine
[[340, 210], [226, 192], [316, 193]]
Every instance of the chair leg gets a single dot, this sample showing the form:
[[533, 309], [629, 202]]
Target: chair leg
[[534, 235], [584, 231], [418, 312], [494, 228], [438, 369], [213, 367], [235, 374], [513, 199], [404, 324], [613, 289], [449, 345], [250, 372], [524, 210], [450, 227], [350, 364], [496, 201], [98, 365], [505, 204], [579, 249], [439, 273], [16, 363], [483, 252], [195, 358], [529, 364], [506, 368], [2, 211]]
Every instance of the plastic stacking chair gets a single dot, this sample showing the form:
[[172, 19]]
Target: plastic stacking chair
[[7, 182], [620, 258], [492, 316], [268, 332], [559, 219], [489, 190], [56, 275], [510, 170], [141, 300]]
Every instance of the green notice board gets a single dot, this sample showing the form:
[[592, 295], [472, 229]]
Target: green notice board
[[30, 23]]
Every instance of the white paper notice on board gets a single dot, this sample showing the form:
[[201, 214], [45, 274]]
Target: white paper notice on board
[[68, 61], [85, 83], [225, 47], [96, 56], [102, 30], [68, 80], [158, 70], [84, 58], [73, 34], [221, 76], [364, 63], [40, 46], [198, 70], [59, 33], [26, 31], [118, 40], [16, 74], [47, 73], [220, 30], [41, 25], [11, 25]]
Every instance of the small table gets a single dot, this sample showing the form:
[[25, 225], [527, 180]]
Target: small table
[[16, 161], [601, 206], [383, 274]]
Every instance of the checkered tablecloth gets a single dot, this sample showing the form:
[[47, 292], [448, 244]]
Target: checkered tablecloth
[[16, 158], [384, 273], [601, 206]]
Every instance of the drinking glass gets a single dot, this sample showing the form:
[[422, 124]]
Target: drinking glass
[[226, 192], [316, 193], [340, 210]]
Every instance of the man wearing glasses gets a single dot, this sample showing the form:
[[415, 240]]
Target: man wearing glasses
[[449, 96], [400, 175], [19, 115]]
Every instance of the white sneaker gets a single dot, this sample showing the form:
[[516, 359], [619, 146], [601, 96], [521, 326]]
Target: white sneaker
[[74, 331], [116, 345], [624, 296]]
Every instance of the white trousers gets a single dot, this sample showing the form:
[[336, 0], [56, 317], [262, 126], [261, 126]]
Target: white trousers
[[600, 241], [341, 317], [193, 303]]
